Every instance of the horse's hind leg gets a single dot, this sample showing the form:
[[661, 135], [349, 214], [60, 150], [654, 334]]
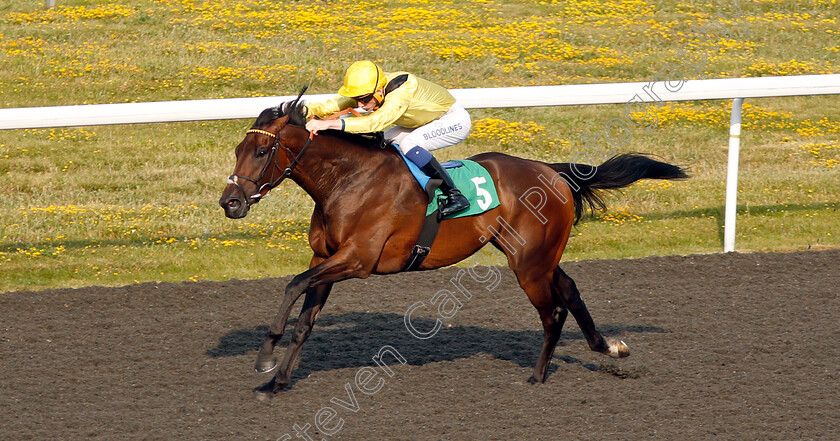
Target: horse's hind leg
[[552, 319], [570, 296], [552, 313]]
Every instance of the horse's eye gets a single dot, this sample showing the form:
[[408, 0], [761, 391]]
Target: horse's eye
[[261, 152]]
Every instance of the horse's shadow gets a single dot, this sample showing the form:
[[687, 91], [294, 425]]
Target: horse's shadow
[[352, 340]]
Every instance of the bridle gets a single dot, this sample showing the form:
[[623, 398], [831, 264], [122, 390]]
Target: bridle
[[271, 162]]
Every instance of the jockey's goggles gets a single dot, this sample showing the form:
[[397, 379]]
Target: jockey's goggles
[[364, 99]]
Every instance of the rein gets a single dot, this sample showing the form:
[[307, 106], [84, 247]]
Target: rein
[[342, 113], [272, 162]]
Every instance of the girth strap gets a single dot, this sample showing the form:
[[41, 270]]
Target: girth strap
[[427, 234]]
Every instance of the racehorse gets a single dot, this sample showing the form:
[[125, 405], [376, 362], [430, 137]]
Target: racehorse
[[369, 211]]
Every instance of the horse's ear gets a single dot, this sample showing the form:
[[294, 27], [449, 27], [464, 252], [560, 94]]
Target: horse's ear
[[279, 122]]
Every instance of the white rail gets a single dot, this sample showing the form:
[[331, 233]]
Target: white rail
[[571, 95]]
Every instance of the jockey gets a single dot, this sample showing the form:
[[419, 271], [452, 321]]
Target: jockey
[[424, 117]]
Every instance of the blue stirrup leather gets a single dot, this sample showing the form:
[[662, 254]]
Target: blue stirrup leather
[[418, 174]]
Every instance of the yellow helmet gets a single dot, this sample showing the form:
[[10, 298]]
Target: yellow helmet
[[362, 78]]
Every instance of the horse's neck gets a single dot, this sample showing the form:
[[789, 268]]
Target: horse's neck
[[333, 165]]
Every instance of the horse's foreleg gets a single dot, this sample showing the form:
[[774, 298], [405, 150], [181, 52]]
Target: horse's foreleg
[[315, 299], [348, 263], [316, 282], [266, 360], [313, 303], [570, 297]]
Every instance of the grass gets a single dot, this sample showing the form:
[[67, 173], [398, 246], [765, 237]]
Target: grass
[[115, 205]]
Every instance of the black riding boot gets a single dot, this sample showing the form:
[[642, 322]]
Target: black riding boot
[[455, 201]]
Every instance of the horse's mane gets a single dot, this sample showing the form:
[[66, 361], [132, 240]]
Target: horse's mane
[[297, 117], [295, 110]]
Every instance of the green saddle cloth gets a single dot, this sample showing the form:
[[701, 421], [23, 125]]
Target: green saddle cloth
[[475, 184]]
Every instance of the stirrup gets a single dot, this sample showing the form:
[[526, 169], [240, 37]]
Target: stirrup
[[455, 202]]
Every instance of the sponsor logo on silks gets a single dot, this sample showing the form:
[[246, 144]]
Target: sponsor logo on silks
[[442, 131]]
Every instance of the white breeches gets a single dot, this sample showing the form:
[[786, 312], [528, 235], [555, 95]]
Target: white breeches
[[450, 129]]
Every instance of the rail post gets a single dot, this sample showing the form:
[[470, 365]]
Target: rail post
[[732, 176]]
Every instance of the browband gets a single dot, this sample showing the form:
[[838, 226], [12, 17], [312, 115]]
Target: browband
[[262, 132]]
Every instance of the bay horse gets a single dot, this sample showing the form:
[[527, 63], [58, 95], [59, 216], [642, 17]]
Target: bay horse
[[369, 211]]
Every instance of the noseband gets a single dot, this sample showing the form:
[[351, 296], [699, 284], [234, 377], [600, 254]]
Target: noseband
[[271, 162]]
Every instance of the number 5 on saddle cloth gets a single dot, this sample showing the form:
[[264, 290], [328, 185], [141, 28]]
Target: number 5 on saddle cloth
[[475, 184]]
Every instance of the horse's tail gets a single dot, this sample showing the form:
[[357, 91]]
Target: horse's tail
[[616, 172]]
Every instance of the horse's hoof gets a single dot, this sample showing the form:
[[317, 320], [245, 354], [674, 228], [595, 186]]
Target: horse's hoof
[[265, 366], [533, 380], [265, 392], [617, 348]]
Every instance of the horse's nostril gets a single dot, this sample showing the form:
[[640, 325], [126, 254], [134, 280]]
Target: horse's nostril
[[231, 204]]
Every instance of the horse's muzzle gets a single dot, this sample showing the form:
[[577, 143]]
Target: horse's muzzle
[[234, 206]]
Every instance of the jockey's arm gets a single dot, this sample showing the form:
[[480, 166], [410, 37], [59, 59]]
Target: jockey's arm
[[332, 105], [392, 109], [316, 125]]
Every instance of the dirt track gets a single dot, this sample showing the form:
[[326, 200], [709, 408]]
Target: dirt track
[[722, 347]]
